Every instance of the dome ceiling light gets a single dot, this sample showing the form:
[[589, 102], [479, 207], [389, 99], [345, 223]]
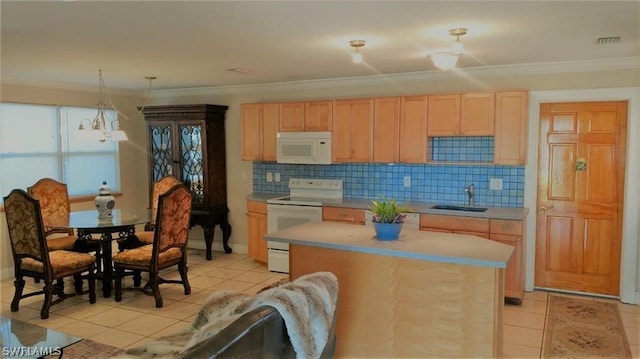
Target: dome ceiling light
[[357, 55], [448, 60]]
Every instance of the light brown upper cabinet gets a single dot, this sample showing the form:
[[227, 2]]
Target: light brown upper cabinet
[[413, 129], [469, 114], [386, 129], [259, 131], [318, 115], [305, 116], [510, 142], [353, 130]]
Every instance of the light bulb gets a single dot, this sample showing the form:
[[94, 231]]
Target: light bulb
[[357, 57]]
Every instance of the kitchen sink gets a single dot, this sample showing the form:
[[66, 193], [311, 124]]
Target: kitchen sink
[[459, 208]]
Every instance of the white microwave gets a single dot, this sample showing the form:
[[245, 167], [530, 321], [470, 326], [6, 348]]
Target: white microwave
[[304, 147]]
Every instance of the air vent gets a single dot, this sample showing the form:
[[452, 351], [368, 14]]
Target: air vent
[[607, 40]]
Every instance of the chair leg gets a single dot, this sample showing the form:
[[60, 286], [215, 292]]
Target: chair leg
[[155, 288], [92, 285], [182, 268], [137, 279], [119, 273], [48, 294], [77, 283], [58, 289], [19, 284]]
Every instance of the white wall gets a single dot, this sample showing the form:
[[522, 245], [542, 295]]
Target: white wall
[[540, 80]]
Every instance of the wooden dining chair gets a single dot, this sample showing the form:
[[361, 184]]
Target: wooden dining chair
[[32, 257], [169, 247], [159, 187], [56, 207]]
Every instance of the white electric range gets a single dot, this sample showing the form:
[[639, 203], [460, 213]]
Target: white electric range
[[303, 204]]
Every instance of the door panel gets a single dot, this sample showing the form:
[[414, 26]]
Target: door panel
[[582, 153]]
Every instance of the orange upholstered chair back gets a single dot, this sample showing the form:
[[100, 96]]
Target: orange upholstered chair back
[[172, 224], [159, 187], [54, 203]]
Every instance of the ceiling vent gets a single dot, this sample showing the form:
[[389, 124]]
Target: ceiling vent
[[607, 40]]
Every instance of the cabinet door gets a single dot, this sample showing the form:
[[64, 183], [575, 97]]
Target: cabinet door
[[269, 131], [477, 114], [318, 115], [192, 162], [353, 130], [251, 131], [443, 117], [161, 143], [511, 128], [257, 228], [514, 273], [386, 126], [291, 117], [466, 225], [413, 129]]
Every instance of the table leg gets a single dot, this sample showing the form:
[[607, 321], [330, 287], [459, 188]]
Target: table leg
[[107, 272]]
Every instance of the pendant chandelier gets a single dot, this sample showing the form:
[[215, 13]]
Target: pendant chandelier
[[103, 128], [448, 60]]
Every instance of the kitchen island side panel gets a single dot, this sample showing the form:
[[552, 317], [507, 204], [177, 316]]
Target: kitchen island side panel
[[403, 307]]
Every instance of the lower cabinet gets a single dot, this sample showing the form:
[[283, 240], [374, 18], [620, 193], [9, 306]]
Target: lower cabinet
[[257, 228], [504, 231], [343, 215]]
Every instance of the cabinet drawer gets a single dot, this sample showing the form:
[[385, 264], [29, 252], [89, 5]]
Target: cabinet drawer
[[504, 226], [258, 207], [461, 224], [340, 214]]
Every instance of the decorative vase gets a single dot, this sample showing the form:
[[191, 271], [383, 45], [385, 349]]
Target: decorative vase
[[387, 231], [105, 202]]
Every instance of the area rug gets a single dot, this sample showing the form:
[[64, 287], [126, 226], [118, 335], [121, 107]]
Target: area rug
[[580, 328], [88, 349]]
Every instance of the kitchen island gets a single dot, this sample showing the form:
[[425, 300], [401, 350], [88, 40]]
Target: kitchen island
[[426, 294]]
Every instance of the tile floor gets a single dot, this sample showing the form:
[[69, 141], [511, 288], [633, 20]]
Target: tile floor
[[135, 320]]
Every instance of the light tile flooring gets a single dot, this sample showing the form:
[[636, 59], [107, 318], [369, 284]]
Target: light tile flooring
[[136, 320]]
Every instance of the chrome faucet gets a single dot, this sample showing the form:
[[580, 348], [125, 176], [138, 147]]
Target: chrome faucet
[[470, 191]]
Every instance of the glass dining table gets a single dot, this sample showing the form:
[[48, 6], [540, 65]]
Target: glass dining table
[[123, 222]]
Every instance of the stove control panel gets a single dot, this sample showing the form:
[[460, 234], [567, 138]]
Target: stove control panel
[[305, 183]]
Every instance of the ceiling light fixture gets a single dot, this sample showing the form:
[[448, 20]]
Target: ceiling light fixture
[[103, 128], [357, 55], [448, 60]]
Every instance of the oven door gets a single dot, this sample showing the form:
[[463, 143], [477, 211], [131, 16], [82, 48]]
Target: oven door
[[282, 216]]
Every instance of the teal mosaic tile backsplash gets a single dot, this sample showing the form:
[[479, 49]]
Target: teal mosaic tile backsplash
[[434, 183]]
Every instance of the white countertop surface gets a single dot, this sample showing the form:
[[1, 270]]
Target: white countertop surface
[[422, 245]]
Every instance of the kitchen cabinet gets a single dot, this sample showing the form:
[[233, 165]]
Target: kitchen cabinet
[[469, 114], [386, 129], [343, 215], [511, 125], [259, 131], [454, 224], [413, 129], [257, 228], [353, 130], [512, 233], [188, 142], [305, 116]]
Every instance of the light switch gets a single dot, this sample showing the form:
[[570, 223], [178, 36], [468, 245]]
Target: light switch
[[495, 184], [407, 181], [269, 177]]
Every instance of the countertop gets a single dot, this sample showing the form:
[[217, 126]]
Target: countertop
[[421, 245], [508, 213]]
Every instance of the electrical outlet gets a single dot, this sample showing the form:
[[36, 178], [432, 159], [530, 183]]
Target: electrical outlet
[[269, 177], [495, 184], [277, 176], [407, 181]]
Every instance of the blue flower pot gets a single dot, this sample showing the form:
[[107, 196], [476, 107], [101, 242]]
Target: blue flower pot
[[387, 231]]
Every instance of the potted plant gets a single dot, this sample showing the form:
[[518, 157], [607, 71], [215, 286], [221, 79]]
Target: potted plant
[[387, 218]]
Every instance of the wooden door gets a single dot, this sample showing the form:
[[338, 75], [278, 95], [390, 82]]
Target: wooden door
[[413, 129], [581, 169], [477, 114], [443, 117], [385, 129]]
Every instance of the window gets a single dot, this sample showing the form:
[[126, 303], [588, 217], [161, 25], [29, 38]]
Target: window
[[38, 141]]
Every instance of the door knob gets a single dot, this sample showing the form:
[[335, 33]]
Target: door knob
[[544, 209]]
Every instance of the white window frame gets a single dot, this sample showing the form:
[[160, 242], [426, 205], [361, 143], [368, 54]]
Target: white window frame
[[80, 163]]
